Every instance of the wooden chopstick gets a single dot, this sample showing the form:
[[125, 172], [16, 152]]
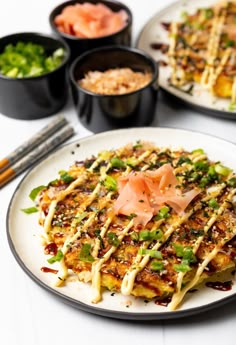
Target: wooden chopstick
[[33, 142], [48, 145]]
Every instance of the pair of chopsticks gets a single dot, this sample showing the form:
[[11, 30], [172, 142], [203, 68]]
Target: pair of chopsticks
[[47, 139]]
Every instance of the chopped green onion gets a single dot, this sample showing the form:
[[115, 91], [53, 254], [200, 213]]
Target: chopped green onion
[[151, 252], [117, 163], [33, 194], [113, 239], [201, 166], [134, 236], [163, 213], [212, 171], [200, 151], [185, 252], [27, 59], [145, 235], [53, 182], [55, 258], [232, 182], [137, 145], [157, 234], [204, 181], [195, 176], [213, 203], [85, 253], [131, 216], [182, 268], [183, 160], [188, 255], [208, 13], [211, 176], [222, 170], [157, 266], [13, 73], [29, 210], [131, 162], [142, 251], [81, 217], [67, 178], [110, 183], [58, 53], [148, 235], [179, 249]]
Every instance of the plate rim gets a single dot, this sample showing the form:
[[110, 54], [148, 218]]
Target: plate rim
[[206, 110], [123, 315]]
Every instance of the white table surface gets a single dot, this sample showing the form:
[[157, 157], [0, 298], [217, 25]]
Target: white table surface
[[29, 314]]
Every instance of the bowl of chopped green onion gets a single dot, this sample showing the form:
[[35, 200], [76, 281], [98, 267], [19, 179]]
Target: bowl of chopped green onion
[[33, 75]]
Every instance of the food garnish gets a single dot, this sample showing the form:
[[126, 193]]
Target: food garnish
[[153, 230], [27, 59], [30, 210], [202, 50], [89, 20], [115, 81]]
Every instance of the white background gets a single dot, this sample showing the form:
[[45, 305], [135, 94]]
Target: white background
[[29, 314]]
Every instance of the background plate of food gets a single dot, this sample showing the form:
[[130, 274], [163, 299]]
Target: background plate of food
[[143, 230], [195, 45]]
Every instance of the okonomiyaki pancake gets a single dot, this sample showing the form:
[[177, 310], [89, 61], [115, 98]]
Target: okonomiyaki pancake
[[202, 49], [141, 220]]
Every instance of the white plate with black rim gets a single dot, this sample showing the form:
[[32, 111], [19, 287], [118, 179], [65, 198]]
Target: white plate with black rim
[[24, 232], [154, 33]]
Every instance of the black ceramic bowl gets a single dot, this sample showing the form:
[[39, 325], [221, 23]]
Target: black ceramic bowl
[[105, 112], [81, 45], [34, 97]]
